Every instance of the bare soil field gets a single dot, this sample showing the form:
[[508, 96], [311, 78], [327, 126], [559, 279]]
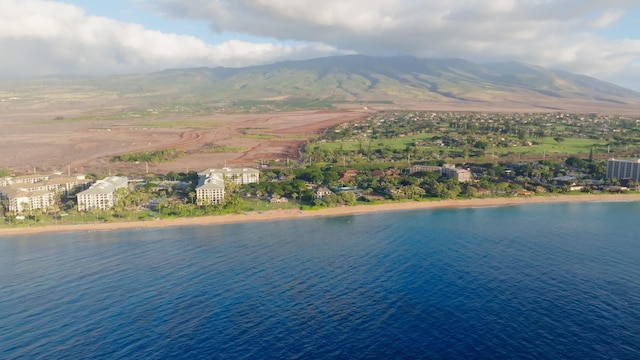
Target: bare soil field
[[84, 137], [35, 140]]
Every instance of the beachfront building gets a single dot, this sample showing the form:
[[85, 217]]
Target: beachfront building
[[462, 175], [447, 170], [321, 192], [239, 176], [102, 194], [21, 201], [428, 168], [210, 189], [623, 169], [24, 193]]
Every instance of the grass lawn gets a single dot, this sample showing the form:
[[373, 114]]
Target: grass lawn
[[549, 146]]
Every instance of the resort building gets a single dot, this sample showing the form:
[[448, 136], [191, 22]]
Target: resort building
[[24, 193], [447, 170], [428, 168], [450, 171], [102, 194], [210, 189], [20, 201], [623, 169], [239, 176]]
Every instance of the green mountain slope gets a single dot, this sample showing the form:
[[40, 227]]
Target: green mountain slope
[[355, 78]]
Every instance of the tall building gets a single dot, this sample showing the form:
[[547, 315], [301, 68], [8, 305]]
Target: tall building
[[210, 189], [623, 169], [38, 192], [20, 201], [239, 176], [462, 175], [447, 170], [102, 194]]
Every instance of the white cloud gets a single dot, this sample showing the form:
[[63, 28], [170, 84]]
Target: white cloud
[[40, 37], [608, 18], [43, 37], [552, 33]]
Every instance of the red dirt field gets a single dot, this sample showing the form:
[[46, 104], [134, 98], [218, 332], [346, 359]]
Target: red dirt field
[[33, 140], [83, 142]]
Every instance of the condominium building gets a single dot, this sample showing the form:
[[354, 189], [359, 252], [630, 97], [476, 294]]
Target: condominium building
[[462, 175], [428, 168], [239, 176], [210, 189], [102, 194], [623, 169], [447, 170], [24, 193], [19, 201]]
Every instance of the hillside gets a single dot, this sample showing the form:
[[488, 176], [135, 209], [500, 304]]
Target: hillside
[[355, 79]]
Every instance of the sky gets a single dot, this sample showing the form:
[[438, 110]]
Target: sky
[[93, 37]]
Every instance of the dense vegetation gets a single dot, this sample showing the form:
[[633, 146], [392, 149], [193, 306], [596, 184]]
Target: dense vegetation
[[469, 136], [151, 156]]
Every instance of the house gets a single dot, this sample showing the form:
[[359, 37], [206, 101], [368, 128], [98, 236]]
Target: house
[[349, 176], [102, 194], [278, 200], [321, 192], [483, 191]]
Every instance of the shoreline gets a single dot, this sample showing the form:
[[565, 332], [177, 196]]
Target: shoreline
[[288, 214]]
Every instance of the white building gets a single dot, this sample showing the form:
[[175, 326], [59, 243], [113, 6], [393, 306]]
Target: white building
[[101, 195], [462, 175], [210, 189], [447, 170], [239, 176], [24, 193], [429, 168], [623, 169], [19, 201]]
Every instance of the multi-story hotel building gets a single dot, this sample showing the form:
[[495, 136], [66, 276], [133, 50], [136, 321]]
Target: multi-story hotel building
[[210, 189], [24, 193], [462, 175], [447, 170], [239, 176], [102, 194], [19, 201], [623, 169]]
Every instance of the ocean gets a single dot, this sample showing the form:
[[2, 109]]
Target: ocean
[[539, 281]]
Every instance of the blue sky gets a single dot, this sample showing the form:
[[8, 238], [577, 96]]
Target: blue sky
[[592, 37]]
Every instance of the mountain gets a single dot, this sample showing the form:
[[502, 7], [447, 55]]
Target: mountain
[[354, 78]]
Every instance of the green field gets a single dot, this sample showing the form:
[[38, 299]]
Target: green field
[[547, 146], [550, 146]]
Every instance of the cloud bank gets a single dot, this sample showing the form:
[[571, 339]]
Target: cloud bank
[[45, 37], [581, 36]]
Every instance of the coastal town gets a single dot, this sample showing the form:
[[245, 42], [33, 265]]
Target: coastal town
[[378, 158], [33, 198]]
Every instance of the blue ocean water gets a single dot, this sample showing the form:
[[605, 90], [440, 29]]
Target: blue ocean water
[[554, 281]]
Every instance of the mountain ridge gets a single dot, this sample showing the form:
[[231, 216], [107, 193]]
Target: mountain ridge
[[356, 78]]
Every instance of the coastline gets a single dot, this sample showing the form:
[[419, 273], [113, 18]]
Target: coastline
[[286, 214]]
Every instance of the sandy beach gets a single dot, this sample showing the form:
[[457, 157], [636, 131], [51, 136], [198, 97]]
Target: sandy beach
[[338, 211]]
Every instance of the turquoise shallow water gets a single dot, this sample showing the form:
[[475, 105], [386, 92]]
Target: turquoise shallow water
[[537, 281]]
